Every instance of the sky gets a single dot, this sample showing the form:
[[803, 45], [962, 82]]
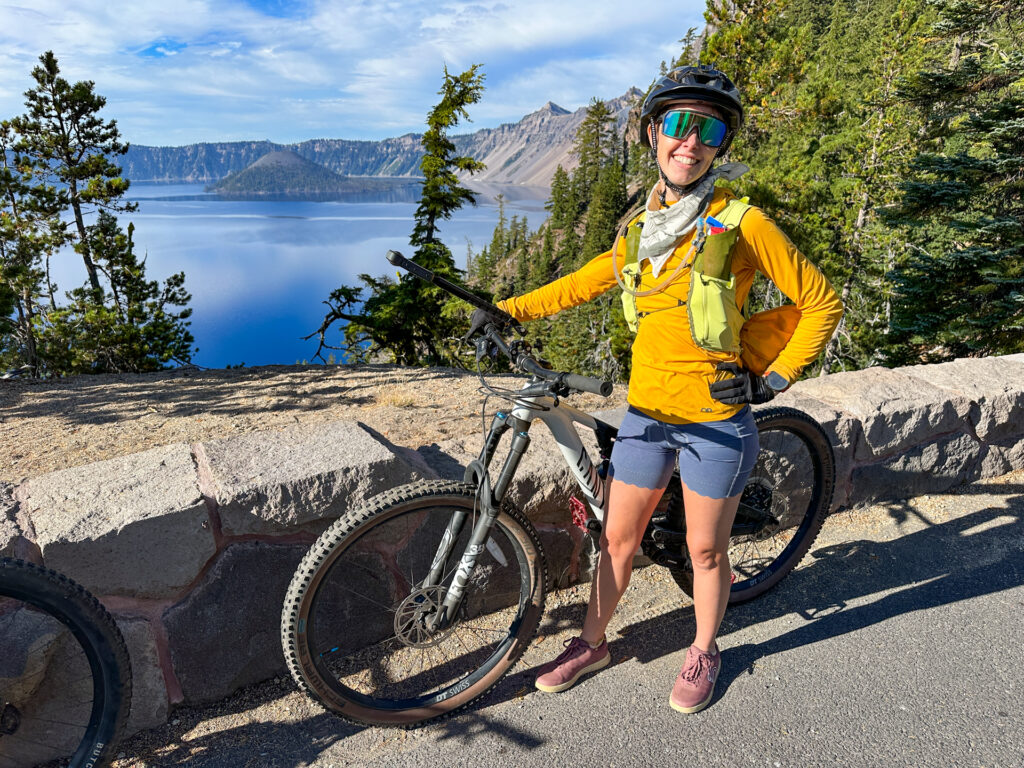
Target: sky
[[183, 71]]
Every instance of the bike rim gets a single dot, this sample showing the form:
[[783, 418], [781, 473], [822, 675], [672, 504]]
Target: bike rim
[[367, 624], [51, 694], [784, 487]]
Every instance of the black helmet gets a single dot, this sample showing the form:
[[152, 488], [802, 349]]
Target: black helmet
[[703, 83]]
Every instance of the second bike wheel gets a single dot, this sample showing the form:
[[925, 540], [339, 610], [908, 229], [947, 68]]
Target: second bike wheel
[[783, 506], [356, 624], [65, 677]]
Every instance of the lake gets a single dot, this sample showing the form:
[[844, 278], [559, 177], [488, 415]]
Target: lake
[[258, 271]]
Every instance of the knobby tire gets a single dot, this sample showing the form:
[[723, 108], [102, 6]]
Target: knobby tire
[[36, 604], [352, 622]]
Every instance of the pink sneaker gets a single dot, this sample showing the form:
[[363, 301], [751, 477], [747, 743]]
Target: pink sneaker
[[576, 660], [696, 682]]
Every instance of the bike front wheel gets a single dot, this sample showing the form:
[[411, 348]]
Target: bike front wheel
[[65, 677], [357, 624]]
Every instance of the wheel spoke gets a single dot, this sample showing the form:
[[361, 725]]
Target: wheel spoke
[[414, 663]]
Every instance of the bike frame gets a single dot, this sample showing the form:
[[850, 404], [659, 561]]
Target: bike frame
[[560, 419]]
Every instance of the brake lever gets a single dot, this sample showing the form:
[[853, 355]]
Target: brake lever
[[485, 348]]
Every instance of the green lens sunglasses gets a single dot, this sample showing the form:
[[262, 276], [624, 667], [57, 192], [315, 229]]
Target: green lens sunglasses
[[678, 123]]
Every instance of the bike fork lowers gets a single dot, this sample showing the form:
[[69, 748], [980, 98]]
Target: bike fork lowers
[[489, 502]]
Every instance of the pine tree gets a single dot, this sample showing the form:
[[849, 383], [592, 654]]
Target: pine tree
[[55, 160], [63, 128], [542, 265], [590, 148], [828, 139], [961, 293], [562, 204], [408, 319], [30, 233], [140, 326]]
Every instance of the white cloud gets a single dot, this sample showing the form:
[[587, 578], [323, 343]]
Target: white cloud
[[219, 69]]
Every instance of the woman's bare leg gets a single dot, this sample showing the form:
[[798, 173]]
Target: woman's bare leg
[[708, 523], [629, 509]]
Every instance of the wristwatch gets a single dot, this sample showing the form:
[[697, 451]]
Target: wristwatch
[[776, 381]]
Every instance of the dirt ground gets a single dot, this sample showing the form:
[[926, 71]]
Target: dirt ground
[[51, 425]]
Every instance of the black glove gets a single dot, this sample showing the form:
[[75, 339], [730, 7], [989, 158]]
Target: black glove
[[482, 317], [742, 387]]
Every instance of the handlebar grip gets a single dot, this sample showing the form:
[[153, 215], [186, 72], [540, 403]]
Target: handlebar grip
[[455, 290], [587, 384], [410, 266], [571, 380]]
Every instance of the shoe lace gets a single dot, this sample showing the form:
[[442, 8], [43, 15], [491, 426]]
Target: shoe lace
[[695, 671], [573, 646]]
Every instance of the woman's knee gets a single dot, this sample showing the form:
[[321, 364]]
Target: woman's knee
[[620, 545], [704, 556]]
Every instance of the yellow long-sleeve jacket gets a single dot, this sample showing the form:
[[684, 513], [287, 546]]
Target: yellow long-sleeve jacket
[[671, 375]]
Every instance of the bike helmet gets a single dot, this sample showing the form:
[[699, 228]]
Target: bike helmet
[[703, 83]]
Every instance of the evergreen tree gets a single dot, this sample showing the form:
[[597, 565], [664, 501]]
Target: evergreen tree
[[827, 138], [542, 266], [607, 204], [30, 232], [590, 148], [961, 292], [140, 326], [498, 249], [562, 204], [408, 319], [63, 128], [55, 160]]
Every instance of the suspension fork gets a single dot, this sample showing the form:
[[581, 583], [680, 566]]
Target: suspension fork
[[489, 502]]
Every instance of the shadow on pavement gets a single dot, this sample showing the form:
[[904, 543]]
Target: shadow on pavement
[[977, 554]]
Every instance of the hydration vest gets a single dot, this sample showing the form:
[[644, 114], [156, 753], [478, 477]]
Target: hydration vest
[[717, 323]]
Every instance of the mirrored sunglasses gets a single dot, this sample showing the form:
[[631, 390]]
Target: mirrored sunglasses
[[677, 123]]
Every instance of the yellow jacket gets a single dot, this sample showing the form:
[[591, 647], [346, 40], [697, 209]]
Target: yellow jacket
[[670, 374]]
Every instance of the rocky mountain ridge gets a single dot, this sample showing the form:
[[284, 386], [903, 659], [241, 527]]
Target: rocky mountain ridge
[[526, 152]]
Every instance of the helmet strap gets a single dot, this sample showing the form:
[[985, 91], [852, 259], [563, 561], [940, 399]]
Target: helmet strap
[[680, 189]]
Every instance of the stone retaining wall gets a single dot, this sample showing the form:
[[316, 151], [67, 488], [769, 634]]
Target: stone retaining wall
[[192, 546]]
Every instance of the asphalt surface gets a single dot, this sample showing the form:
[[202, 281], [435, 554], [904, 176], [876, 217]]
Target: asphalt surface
[[898, 642]]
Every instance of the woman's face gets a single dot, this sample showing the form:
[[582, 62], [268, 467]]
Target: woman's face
[[685, 160]]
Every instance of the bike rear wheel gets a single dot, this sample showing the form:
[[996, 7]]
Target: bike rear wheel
[[783, 505], [65, 677], [356, 621]]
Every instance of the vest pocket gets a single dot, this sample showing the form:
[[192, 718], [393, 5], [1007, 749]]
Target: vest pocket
[[631, 279], [715, 320], [715, 257]]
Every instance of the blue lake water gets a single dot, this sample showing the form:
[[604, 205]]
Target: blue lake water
[[259, 270]]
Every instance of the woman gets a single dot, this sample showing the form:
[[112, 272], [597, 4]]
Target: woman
[[688, 398]]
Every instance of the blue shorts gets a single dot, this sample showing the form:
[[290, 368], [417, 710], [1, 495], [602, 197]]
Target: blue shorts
[[715, 457]]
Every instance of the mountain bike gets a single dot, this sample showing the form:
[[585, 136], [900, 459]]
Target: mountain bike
[[65, 676], [415, 604]]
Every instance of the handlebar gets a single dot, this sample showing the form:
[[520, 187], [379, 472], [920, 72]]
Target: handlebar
[[456, 290], [523, 360], [571, 380]]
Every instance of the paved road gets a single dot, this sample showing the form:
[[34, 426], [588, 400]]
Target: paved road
[[897, 643]]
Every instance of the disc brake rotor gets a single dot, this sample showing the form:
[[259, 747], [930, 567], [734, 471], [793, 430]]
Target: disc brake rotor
[[414, 614]]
